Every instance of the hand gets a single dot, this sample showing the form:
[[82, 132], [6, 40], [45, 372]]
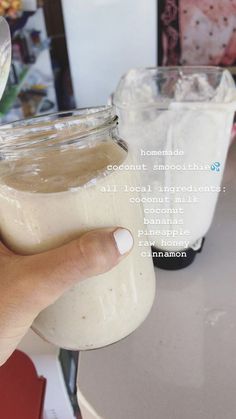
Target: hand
[[28, 284]]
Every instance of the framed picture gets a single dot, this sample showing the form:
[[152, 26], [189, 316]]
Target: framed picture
[[197, 32]]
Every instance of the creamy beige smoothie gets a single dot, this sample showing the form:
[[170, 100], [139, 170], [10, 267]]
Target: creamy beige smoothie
[[66, 194]]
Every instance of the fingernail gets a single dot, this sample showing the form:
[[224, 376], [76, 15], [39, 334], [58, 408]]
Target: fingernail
[[124, 240]]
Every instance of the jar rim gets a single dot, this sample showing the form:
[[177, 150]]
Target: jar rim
[[49, 130], [105, 111], [135, 78]]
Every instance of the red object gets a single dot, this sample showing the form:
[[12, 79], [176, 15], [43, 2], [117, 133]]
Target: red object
[[21, 390]]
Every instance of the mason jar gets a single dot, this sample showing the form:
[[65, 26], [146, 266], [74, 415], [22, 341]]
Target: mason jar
[[59, 178]]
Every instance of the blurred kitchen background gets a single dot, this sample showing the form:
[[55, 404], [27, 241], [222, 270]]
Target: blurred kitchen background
[[72, 53]]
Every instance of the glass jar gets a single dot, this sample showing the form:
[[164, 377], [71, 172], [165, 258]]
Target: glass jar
[[57, 181], [178, 122]]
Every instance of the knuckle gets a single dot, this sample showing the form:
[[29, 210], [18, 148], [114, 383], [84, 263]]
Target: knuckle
[[95, 255]]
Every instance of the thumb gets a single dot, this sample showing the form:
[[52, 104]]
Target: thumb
[[52, 273]]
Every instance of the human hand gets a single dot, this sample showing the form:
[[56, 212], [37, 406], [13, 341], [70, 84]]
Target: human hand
[[28, 284]]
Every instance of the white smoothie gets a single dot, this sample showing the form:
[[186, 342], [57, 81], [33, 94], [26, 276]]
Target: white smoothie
[[65, 195], [181, 139]]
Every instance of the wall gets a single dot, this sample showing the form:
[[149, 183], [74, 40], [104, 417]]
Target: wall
[[105, 38]]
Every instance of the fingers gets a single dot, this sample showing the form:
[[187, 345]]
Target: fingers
[[31, 283], [51, 273], [4, 251]]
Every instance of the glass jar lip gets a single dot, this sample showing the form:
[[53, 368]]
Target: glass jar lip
[[184, 69], [135, 78], [49, 130], [105, 112]]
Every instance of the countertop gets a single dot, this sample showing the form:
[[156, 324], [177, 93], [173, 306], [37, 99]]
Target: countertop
[[181, 363]]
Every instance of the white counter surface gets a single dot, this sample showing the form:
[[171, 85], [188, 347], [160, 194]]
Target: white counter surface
[[181, 363]]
